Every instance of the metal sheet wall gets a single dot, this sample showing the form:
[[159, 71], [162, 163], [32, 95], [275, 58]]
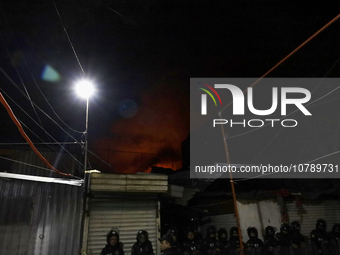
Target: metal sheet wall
[[64, 162], [128, 214], [226, 221], [39, 218], [327, 210]]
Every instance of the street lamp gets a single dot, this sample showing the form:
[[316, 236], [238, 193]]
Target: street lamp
[[85, 89]]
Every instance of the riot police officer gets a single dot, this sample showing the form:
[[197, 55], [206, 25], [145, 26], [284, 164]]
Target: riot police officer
[[285, 241], [234, 241], [191, 244], [319, 238], [223, 243], [176, 245], [298, 240], [210, 243], [254, 245], [284, 236], [334, 238], [271, 243], [113, 247], [143, 246]]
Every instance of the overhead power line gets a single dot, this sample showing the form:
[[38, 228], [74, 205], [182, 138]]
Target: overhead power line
[[22, 132], [68, 38]]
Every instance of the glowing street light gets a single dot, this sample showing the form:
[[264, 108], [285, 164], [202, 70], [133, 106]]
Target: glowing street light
[[85, 89]]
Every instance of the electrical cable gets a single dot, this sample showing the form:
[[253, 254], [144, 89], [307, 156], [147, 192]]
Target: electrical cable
[[57, 143], [7, 76], [68, 38], [285, 58], [223, 132], [27, 164], [22, 132], [40, 127], [22, 82], [32, 76], [309, 104]]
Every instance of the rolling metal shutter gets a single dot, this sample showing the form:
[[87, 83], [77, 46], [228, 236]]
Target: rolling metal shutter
[[327, 210], [226, 221], [128, 214]]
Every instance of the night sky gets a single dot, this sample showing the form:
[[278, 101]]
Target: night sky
[[141, 55]]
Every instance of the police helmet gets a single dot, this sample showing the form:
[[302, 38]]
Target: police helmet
[[295, 225], [336, 228], [252, 232], [222, 233], [285, 228], [110, 234], [269, 231], [173, 231], [321, 224], [233, 231], [190, 230], [211, 230], [142, 234]]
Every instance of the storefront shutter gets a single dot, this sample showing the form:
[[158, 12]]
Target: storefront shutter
[[127, 213], [312, 211]]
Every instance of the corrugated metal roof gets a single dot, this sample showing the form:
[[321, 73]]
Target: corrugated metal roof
[[39, 218], [64, 162]]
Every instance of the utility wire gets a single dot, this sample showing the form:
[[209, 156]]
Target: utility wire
[[285, 58], [68, 38], [28, 96], [27, 164], [37, 106], [21, 80], [57, 143], [76, 142], [35, 166], [34, 80], [311, 93], [40, 127], [223, 131], [22, 132], [121, 15]]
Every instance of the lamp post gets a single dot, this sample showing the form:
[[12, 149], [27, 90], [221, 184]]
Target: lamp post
[[85, 89]]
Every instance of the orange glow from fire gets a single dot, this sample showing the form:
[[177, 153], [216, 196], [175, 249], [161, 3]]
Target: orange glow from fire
[[153, 136]]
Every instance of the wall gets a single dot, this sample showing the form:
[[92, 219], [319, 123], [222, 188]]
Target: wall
[[259, 214], [39, 218]]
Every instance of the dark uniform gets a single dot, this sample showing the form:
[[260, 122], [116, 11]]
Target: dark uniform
[[334, 238], [143, 246], [234, 241], [116, 249], [191, 244], [299, 242], [168, 240], [176, 245], [285, 241], [271, 243], [210, 243], [222, 235], [254, 245], [170, 251], [320, 238]]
